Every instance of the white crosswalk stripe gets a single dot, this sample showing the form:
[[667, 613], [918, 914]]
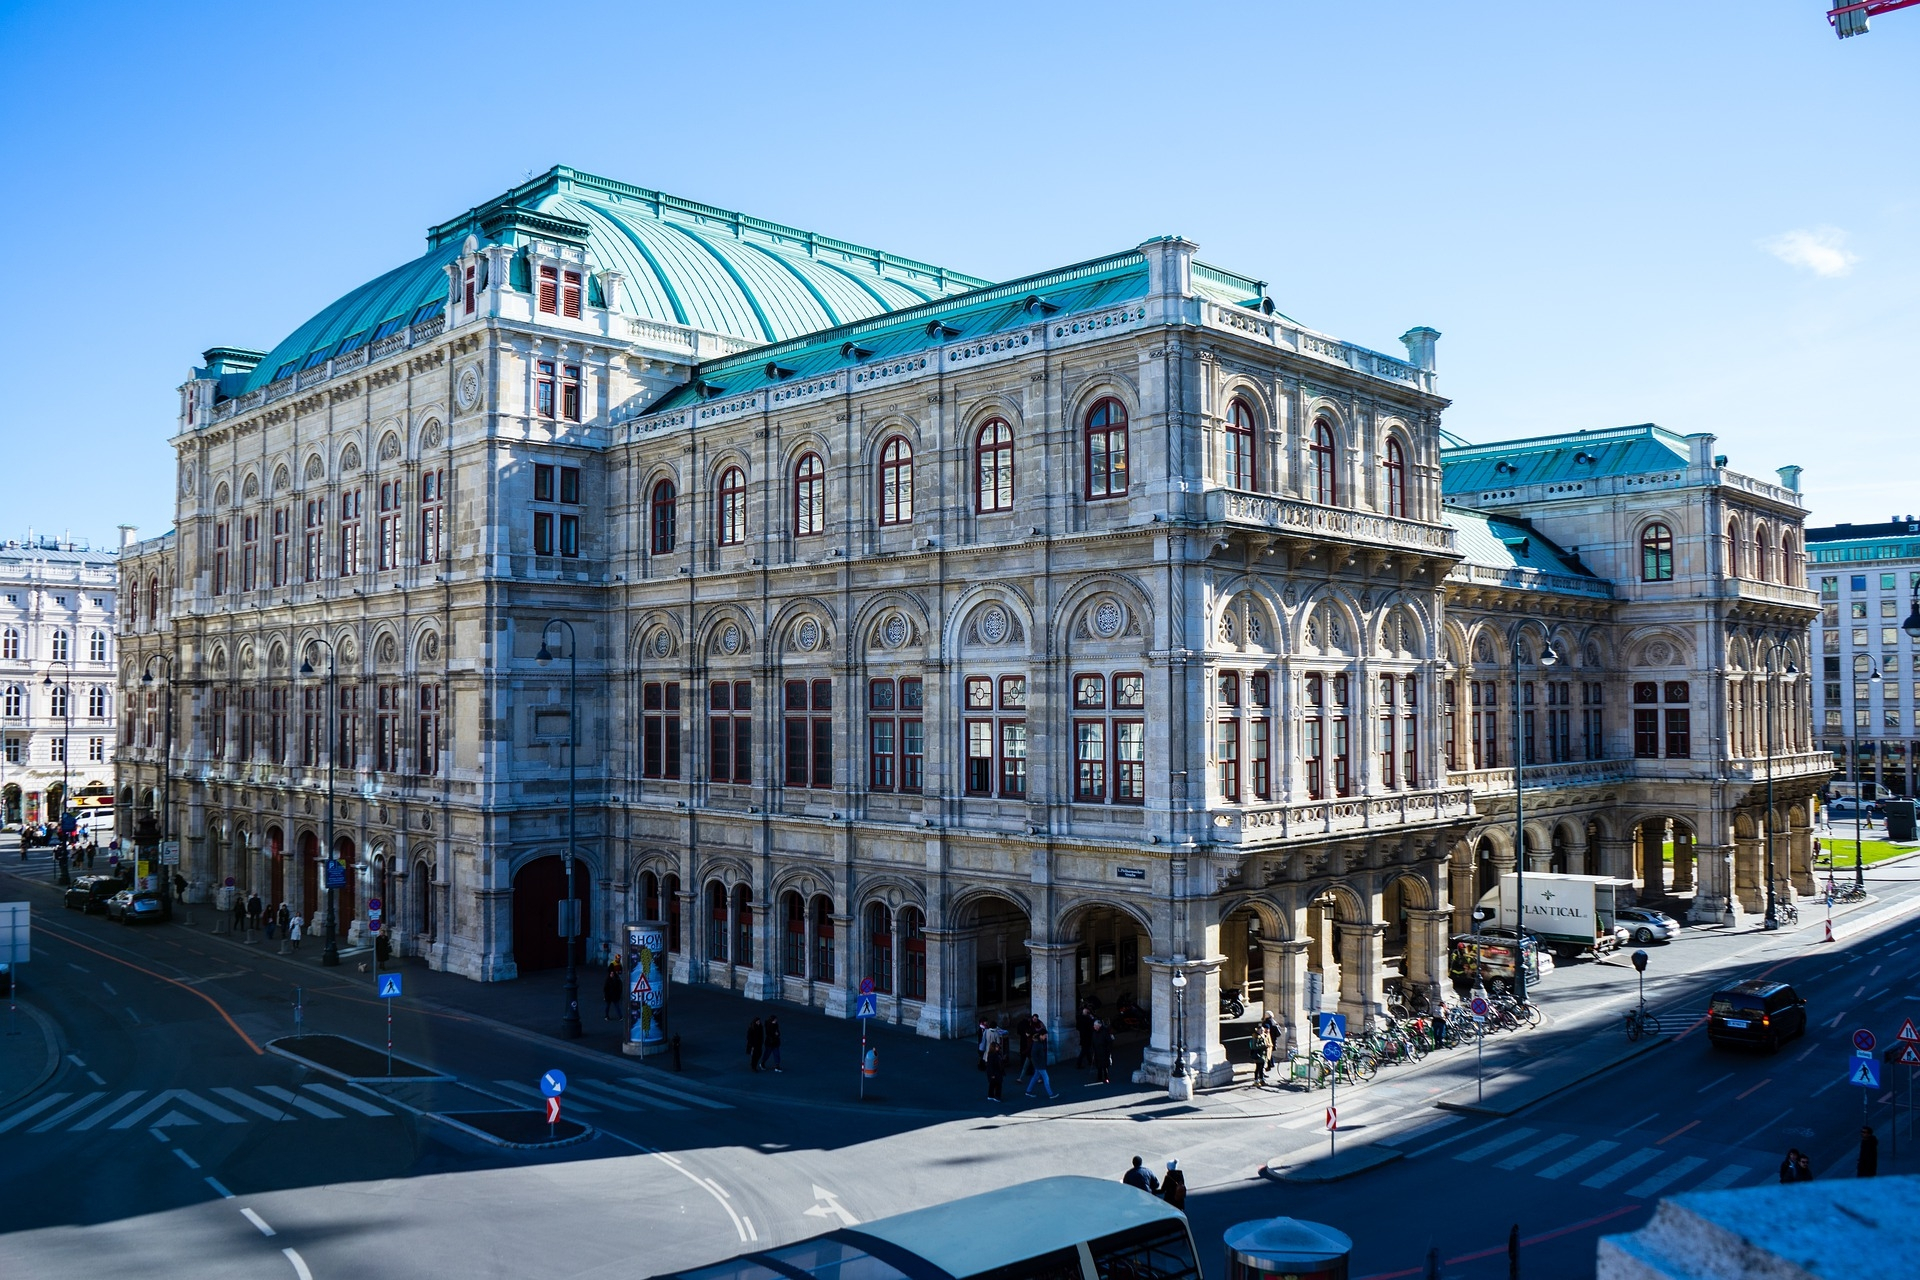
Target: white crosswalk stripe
[[295, 1100], [1534, 1152], [21, 1117], [1672, 1173], [1661, 1171], [1492, 1145], [1725, 1178], [654, 1092], [168, 1108], [601, 1095], [53, 1121], [1622, 1167], [346, 1099], [528, 1091], [252, 1104], [1585, 1155]]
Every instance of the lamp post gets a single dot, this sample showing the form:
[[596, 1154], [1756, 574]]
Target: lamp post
[[571, 1024], [1775, 649], [1853, 775], [166, 786], [330, 953], [1179, 1030], [1547, 659], [66, 750]]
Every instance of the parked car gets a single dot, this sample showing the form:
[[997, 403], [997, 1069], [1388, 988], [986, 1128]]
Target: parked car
[[1644, 924], [127, 906], [1486, 958], [1758, 1011], [90, 893], [1848, 810]]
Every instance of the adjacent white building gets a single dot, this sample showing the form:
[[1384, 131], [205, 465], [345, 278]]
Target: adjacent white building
[[1868, 576]]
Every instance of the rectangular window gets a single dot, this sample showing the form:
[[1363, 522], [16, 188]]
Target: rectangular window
[[543, 540], [1387, 752], [570, 294], [1342, 758], [426, 760], [57, 750], [349, 563], [1227, 753], [1013, 759], [433, 514], [550, 290], [216, 725], [660, 729], [277, 725], [809, 733], [1452, 725], [1528, 754], [543, 399], [388, 534], [730, 731], [221, 532], [1090, 761], [570, 401], [882, 752], [570, 537], [1260, 743], [248, 723], [979, 776], [469, 290], [1679, 734], [312, 725], [282, 564], [249, 552], [97, 748], [310, 555], [387, 734], [1410, 752], [1313, 754], [1129, 762], [1646, 733], [346, 741]]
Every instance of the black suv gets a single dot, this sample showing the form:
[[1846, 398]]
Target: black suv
[[1757, 1011], [90, 893]]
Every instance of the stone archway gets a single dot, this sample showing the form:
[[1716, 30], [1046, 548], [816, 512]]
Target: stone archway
[[992, 965], [539, 886]]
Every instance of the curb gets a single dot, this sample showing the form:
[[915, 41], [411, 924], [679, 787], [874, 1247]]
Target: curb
[[273, 1046], [586, 1132], [1334, 1168], [48, 1069], [1526, 1095]]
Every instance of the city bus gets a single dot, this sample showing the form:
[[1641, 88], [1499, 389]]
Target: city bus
[[1067, 1228]]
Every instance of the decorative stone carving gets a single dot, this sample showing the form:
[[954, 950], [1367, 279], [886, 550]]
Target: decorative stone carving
[[993, 624], [1107, 618], [730, 639], [466, 390], [430, 437], [806, 636]]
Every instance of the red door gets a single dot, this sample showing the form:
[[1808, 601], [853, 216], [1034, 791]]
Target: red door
[[538, 889]]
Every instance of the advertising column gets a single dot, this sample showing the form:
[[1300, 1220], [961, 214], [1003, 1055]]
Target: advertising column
[[646, 981]]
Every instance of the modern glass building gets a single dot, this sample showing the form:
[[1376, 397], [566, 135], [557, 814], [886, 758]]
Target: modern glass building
[[1867, 576]]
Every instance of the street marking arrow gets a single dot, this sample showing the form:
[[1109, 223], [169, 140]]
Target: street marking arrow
[[830, 1207]]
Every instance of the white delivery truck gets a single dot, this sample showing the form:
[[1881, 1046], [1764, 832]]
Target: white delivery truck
[[1569, 914]]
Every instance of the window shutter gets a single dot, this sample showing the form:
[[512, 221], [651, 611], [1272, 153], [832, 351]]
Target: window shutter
[[549, 289], [572, 295]]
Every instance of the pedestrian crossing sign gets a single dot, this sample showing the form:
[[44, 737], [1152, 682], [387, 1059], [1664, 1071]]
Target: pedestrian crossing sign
[[1866, 1073], [866, 1005], [389, 985]]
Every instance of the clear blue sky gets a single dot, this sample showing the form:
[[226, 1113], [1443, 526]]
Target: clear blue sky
[[1700, 214]]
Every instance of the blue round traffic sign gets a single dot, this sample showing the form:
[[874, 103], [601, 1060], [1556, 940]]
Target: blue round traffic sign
[[1330, 1051], [1479, 1006], [553, 1084]]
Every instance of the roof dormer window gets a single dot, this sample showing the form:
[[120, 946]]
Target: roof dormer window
[[560, 292], [470, 288]]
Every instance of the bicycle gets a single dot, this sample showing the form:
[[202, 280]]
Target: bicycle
[[1786, 913], [1641, 1024]]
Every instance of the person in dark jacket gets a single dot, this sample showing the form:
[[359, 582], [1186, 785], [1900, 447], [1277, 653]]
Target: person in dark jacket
[[285, 917], [1138, 1176], [1803, 1168], [756, 1043], [610, 992], [772, 1058], [1102, 1053], [996, 1067], [1788, 1170], [1869, 1162], [1173, 1187], [1083, 1025]]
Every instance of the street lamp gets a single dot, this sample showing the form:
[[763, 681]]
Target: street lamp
[[66, 750], [166, 787], [329, 954], [571, 1025], [1547, 659], [1776, 648], [1179, 1024]]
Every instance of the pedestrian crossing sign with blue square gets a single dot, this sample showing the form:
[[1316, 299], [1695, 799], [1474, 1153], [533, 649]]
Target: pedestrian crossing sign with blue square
[[389, 985], [866, 1005]]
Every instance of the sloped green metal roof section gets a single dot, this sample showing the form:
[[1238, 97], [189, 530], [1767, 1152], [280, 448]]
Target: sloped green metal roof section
[[681, 263], [1559, 459], [1506, 546], [1017, 304]]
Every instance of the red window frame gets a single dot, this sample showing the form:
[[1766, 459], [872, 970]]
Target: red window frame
[[808, 707], [1260, 753], [426, 760], [249, 551], [809, 496], [386, 728], [880, 947], [794, 956], [730, 731], [993, 467], [660, 729], [387, 548], [896, 747], [730, 514], [1326, 483], [570, 392], [1395, 467], [665, 507], [896, 481], [349, 521], [280, 566], [1106, 450], [570, 294], [316, 523], [469, 290], [550, 290], [543, 388], [913, 961], [1242, 469], [433, 515], [222, 531], [1226, 750]]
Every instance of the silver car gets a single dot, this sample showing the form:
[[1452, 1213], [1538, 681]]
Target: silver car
[[1644, 925]]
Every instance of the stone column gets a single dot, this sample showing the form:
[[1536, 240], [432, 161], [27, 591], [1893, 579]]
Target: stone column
[[1157, 1063], [1616, 858], [1362, 962], [1682, 860], [1460, 892], [1713, 900], [1053, 994], [837, 993], [1578, 852], [938, 1015], [1653, 870], [1800, 859], [1287, 990], [1749, 874], [1427, 951]]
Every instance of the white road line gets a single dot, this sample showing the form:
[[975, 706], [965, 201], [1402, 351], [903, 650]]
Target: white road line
[[215, 1184], [1828, 1085], [1876, 971], [109, 987], [299, 1264], [1585, 1155], [83, 969], [1725, 1178], [1543, 1147], [191, 1163], [751, 1233], [1672, 1173], [346, 1099], [259, 1222], [105, 1112], [21, 1117], [201, 1105], [603, 1095], [95, 1077], [528, 1091], [54, 1119], [1428, 1127], [294, 1099], [1464, 1133], [1838, 1018], [648, 1086], [132, 1017], [74, 1058], [1637, 1123], [739, 1223], [1622, 1167], [1492, 1145], [1768, 1125], [251, 1103], [1722, 1080]]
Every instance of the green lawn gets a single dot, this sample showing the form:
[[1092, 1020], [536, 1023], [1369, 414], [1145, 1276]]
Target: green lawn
[[1841, 851]]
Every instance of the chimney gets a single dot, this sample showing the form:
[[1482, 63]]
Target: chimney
[[126, 535], [1420, 341], [1700, 450], [1790, 479]]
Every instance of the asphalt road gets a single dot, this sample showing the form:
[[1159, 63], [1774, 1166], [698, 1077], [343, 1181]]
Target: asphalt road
[[174, 1136]]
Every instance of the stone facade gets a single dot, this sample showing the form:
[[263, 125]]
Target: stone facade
[[1032, 642]]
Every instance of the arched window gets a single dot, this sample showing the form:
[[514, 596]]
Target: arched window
[[809, 496], [913, 954], [57, 708], [742, 926], [62, 647], [1656, 553], [717, 922], [10, 644], [1789, 563], [1326, 488], [730, 515], [14, 704], [153, 600], [993, 467], [97, 702], [97, 647], [1107, 450], [1761, 569], [650, 895], [670, 907], [896, 481], [665, 513], [1733, 548], [1395, 466], [793, 959], [1240, 469], [880, 947], [823, 939]]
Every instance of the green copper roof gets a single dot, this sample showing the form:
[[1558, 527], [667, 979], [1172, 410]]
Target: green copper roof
[[682, 263], [1017, 304], [1502, 546], [1572, 456]]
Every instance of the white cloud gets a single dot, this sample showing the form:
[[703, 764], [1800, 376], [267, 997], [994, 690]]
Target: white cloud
[[1820, 250]]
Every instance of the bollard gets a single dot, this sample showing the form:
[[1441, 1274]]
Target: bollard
[[676, 1051]]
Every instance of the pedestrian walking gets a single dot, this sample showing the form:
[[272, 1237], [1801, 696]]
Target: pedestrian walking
[[1262, 1055], [1788, 1170], [996, 1067], [1102, 1053], [1803, 1168], [1869, 1162], [771, 1060], [1513, 1253], [1139, 1176], [1433, 1264], [255, 909], [285, 916], [610, 992], [1083, 1027], [756, 1043], [1037, 1059], [239, 913], [295, 932], [1173, 1187]]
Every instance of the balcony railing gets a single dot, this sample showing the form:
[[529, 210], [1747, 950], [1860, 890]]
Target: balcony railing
[[1799, 764], [1351, 815], [1570, 773], [1310, 519]]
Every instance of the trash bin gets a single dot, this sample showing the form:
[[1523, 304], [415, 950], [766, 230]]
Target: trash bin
[[1270, 1248], [1900, 820]]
